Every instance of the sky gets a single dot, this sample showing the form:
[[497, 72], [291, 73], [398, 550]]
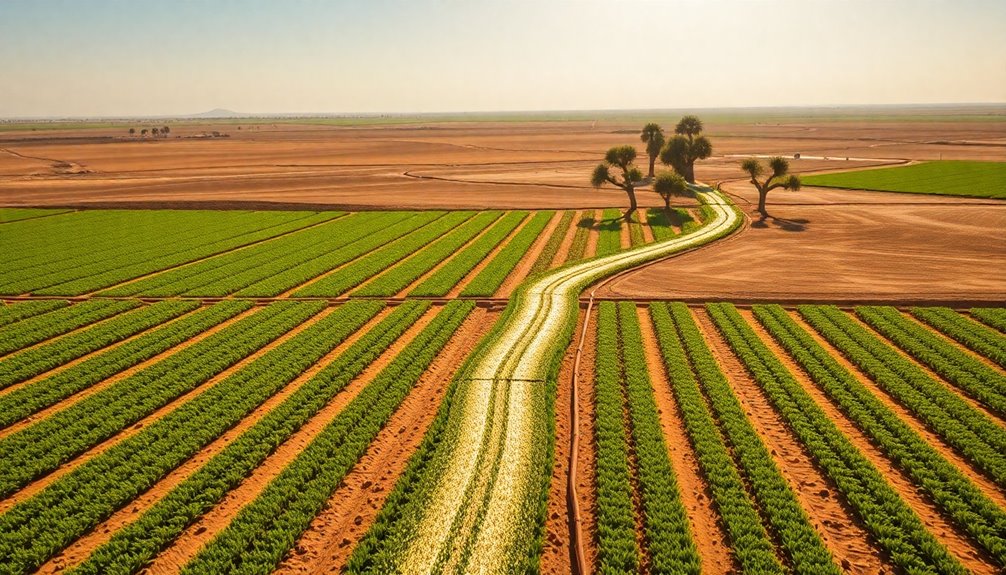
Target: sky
[[91, 58]]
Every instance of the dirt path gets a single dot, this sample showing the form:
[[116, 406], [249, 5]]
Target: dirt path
[[840, 530], [985, 484], [594, 236], [484, 263], [128, 372], [644, 223], [929, 373], [707, 530], [327, 544], [567, 241], [39, 484], [558, 555], [525, 264], [624, 241]]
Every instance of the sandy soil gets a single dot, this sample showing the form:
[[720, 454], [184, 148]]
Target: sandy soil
[[841, 246], [558, 554], [707, 530], [451, 165]]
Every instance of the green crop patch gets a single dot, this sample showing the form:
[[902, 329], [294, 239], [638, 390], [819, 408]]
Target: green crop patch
[[945, 178]]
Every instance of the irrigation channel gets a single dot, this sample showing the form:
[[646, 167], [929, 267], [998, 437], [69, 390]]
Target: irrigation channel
[[484, 508]]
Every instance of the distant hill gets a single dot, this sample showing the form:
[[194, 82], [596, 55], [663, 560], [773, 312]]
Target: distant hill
[[218, 113]]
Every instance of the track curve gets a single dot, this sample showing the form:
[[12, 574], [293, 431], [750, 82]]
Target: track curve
[[483, 510]]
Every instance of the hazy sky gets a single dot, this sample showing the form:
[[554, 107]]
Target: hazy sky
[[124, 57]]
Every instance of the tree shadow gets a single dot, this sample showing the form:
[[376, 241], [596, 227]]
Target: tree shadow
[[788, 225]]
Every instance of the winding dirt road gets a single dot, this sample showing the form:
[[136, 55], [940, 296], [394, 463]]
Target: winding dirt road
[[483, 506]]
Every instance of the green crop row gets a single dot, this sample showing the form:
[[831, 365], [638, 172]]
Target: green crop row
[[661, 222], [18, 367], [976, 337], [139, 542], [896, 528], [978, 380], [462, 263], [186, 250], [616, 527], [991, 316], [130, 256], [949, 177], [45, 445], [963, 427], [60, 252], [957, 497], [551, 248], [38, 395], [776, 500], [413, 267], [496, 272], [13, 312], [266, 529], [383, 257], [665, 519], [609, 239], [750, 541], [222, 276], [36, 529], [261, 261], [41, 327], [372, 236], [636, 236], [578, 249], [42, 244]]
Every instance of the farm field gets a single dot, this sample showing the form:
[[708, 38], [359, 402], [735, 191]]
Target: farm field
[[952, 178], [369, 384]]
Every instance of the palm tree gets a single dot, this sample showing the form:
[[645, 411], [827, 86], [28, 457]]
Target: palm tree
[[154, 132], [685, 147], [165, 131], [620, 157], [668, 185], [778, 179], [143, 132], [132, 131], [653, 136]]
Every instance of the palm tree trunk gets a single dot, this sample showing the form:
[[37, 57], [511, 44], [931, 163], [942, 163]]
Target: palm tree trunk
[[653, 160], [690, 173], [632, 203], [762, 194]]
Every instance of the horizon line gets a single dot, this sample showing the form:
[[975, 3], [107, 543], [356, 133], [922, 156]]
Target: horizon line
[[226, 113]]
